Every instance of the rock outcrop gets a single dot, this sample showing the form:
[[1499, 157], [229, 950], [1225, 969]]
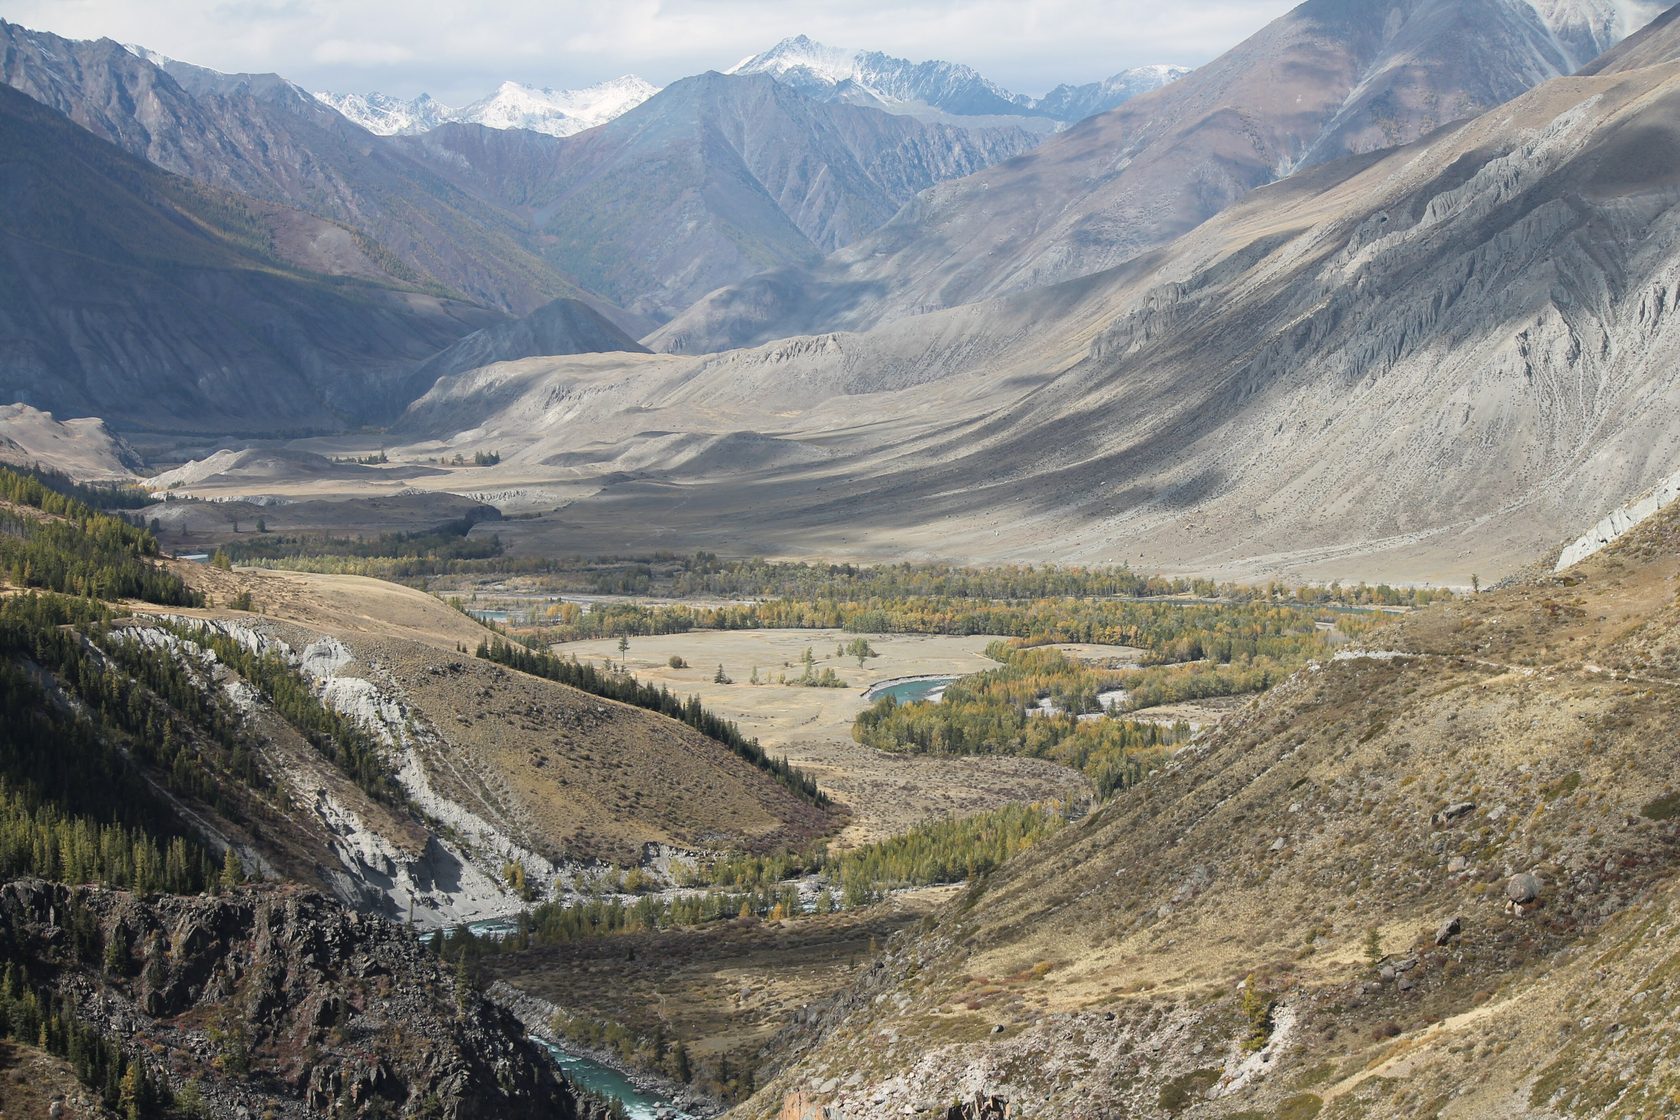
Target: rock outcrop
[[276, 999]]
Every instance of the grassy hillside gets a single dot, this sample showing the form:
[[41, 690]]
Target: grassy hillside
[[1266, 926]]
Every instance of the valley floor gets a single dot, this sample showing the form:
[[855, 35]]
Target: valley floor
[[887, 793]]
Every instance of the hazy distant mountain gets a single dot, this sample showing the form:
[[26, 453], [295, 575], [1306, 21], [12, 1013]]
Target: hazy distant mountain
[[874, 78], [262, 136], [1329, 79], [711, 180], [555, 112], [143, 298], [1075, 103]]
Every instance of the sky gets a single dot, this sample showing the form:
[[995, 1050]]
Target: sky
[[462, 50]]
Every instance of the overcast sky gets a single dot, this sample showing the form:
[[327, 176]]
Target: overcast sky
[[461, 50]]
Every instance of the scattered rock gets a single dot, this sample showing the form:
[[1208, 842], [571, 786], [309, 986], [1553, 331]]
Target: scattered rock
[[1457, 864], [1279, 844], [1449, 929]]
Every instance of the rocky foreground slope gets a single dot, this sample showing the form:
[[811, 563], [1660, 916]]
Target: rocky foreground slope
[[1439, 877], [277, 1003]]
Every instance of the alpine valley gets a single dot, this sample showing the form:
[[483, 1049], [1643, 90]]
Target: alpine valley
[[831, 588]]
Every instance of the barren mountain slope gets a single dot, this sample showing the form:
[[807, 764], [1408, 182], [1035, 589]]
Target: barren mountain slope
[[1331, 78], [83, 449], [1421, 365], [565, 326], [137, 296], [1344, 849]]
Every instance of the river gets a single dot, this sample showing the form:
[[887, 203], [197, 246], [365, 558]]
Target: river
[[605, 1081], [910, 691]]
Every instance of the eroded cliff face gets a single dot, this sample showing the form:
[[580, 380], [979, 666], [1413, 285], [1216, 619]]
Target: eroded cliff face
[[278, 1002]]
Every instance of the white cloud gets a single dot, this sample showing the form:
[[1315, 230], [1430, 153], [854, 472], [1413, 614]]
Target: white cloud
[[458, 50], [334, 51]]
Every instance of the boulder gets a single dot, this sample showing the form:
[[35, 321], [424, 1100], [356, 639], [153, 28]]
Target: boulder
[[1523, 889], [1449, 929]]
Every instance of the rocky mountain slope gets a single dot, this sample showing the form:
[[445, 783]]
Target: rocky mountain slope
[[1421, 365], [710, 180], [1437, 876], [1327, 80], [277, 1003], [262, 136], [117, 277]]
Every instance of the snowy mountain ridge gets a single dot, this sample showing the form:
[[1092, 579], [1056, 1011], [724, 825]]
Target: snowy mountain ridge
[[836, 74], [512, 105]]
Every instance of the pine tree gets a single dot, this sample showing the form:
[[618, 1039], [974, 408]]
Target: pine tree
[[233, 871]]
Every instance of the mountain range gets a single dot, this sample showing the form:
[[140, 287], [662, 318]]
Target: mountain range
[[1422, 362], [1328, 80], [878, 79], [1058, 318], [932, 89], [714, 179]]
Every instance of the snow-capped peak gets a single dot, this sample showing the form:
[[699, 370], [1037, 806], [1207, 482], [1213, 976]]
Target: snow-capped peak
[[512, 105], [1584, 29], [384, 115], [558, 112], [799, 53]]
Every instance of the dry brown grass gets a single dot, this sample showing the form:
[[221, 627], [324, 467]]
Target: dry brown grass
[[1556, 721]]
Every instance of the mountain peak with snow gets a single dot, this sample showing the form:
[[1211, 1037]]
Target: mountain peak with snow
[[512, 105], [897, 84]]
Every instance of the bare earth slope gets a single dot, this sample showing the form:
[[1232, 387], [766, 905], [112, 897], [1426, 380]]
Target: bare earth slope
[[1343, 849], [1331, 78]]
